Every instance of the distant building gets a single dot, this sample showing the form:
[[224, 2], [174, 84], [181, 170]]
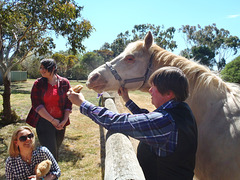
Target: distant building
[[16, 76]]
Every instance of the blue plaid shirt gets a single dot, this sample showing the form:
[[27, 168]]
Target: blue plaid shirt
[[157, 128], [17, 169]]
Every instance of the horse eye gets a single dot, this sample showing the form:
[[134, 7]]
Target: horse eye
[[129, 58]]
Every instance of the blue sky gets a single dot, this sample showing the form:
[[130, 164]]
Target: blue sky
[[110, 17]]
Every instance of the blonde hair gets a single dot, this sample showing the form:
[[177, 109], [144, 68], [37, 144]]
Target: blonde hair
[[14, 150]]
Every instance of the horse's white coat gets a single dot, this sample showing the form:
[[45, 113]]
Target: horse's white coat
[[214, 103]]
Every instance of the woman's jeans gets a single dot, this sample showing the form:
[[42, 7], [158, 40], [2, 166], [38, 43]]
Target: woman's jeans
[[49, 136]]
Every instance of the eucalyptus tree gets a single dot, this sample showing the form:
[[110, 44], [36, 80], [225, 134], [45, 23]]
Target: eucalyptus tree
[[90, 61], [210, 40], [163, 37], [28, 25]]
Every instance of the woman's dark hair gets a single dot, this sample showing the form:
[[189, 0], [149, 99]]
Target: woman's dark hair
[[171, 78], [50, 65]]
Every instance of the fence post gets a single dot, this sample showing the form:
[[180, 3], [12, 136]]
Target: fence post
[[120, 159]]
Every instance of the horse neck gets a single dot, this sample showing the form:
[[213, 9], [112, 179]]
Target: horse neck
[[205, 87], [200, 77]]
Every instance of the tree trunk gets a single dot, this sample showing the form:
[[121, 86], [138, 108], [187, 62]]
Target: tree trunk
[[6, 101]]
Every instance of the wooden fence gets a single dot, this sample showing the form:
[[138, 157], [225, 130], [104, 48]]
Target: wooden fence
[[119, 161]]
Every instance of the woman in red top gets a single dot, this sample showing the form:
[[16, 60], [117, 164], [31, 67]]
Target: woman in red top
[[50, 106]]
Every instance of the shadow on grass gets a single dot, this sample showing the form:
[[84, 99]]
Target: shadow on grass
[[20, 92], [21, 122], [17, 89], [68, 155]]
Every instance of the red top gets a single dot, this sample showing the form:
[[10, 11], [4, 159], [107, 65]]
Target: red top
[[40, 87], [51, 101]]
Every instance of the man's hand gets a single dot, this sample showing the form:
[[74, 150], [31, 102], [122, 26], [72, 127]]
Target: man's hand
[[75, 98], [124, 93]]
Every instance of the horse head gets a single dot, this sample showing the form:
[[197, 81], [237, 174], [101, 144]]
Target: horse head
[[130, 69]]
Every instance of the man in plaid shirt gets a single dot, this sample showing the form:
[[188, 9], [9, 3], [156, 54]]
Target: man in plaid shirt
[[168, 135]]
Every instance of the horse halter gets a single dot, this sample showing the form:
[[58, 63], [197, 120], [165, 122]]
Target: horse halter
[[132, 80]]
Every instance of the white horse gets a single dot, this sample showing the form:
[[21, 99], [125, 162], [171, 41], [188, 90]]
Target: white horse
[[214, 102]]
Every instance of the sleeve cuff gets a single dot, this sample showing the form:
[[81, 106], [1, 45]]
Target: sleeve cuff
[[128, 103], [84, 107], [39, 107]]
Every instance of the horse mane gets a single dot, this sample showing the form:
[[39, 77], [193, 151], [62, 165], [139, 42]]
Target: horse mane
[[200, 74]]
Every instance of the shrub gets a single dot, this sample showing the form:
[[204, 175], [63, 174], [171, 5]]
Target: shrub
[[231, 72]]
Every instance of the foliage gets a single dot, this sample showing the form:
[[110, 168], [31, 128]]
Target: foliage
[[209, 40], [120, 43], [202, 54], [78, 72], [162, 37], [106, 54], [65, 63], [33, 71], [26, 26], [231, 72], [90, 61], [80, 150]]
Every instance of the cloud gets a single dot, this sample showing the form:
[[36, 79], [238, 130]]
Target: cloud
[[233, 16]]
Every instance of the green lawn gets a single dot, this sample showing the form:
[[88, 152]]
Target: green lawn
[[80, 152]]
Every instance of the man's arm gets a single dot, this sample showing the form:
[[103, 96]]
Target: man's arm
[[153, 128]]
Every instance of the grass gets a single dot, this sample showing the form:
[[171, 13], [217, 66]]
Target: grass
[[80, 152]]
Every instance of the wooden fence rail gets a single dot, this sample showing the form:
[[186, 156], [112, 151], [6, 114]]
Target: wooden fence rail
[[120, 159]]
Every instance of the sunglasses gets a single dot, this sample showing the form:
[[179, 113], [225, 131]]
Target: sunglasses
[[24, 138]]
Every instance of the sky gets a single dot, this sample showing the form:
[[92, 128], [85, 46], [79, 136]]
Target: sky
[[110, 18]]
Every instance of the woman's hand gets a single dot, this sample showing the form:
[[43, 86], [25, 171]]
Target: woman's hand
[[124, 93], [55, 122], [75, 98], [61, 125]]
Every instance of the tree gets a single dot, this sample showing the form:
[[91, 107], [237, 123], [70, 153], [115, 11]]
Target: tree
[[32, 65], [231, 72], [91, 61], [162, 37], [71, 60], [26, 26], [202, 54], [219, 41], [106, 54], [120, 43], [78, 72], [60, 61], [64, 63]]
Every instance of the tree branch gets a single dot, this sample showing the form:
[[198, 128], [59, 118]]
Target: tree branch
[[19, 61], [18, 43]]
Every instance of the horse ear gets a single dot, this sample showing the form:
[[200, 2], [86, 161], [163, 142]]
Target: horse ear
[[148, 40]]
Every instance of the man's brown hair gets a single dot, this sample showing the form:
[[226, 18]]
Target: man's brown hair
[[173, 79]]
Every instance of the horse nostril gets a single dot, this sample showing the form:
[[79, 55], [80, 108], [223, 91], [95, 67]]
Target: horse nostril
[[94, 77]]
